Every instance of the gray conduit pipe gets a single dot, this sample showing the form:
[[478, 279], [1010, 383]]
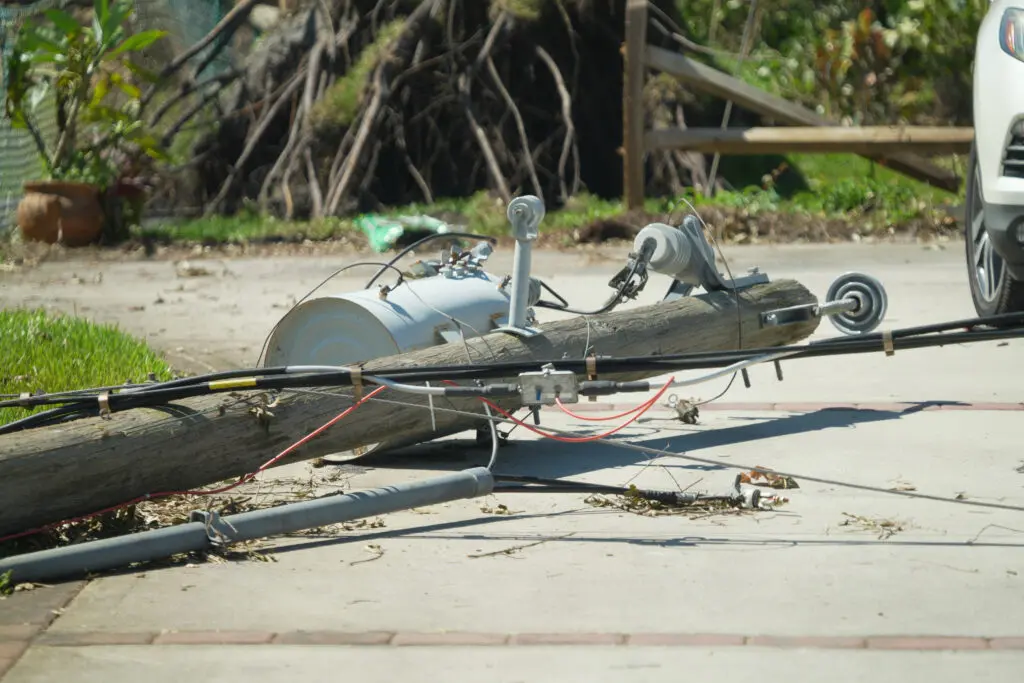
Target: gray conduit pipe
[[209, 529]]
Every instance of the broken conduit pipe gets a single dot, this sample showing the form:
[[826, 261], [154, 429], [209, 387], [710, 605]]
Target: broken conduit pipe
[[208, 529]]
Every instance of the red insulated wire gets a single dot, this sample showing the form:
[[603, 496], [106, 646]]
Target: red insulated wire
[[605, 418], [583, 439], [207, 492]]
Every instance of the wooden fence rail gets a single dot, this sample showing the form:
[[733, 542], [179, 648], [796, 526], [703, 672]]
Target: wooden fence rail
[[804, 130]]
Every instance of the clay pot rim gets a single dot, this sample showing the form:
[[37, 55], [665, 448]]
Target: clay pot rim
[[44, 185]]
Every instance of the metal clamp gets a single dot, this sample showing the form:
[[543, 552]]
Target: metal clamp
[[218, 530]]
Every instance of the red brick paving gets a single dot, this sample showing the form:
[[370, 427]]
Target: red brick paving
[[685, 639], [214, 638], [333, 638], [927, 643], [1006, 643], [568, 639], [450, 638], [795, 642], [73, 639]]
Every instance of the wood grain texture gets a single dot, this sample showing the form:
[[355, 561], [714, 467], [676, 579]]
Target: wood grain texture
[[53, 473]]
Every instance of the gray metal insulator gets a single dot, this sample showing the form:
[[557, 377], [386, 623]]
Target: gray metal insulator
[[871, 299]]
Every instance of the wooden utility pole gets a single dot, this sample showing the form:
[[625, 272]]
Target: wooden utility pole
[[54, 473]]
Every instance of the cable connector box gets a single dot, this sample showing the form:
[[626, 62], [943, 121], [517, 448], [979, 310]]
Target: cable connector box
[[542, 388]]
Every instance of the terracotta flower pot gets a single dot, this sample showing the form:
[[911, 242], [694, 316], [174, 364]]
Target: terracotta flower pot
[[56, 211]]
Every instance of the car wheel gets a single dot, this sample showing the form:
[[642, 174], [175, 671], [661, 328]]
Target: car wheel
[[993, 288]]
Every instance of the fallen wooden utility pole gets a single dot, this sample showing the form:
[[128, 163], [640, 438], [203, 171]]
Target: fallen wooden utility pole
[[54, 473]]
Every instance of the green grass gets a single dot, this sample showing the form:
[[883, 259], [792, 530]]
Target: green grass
[[829, 185], [48, 352], [479, 213]]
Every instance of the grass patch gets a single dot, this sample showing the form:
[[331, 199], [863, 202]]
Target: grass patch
[[340, 104], [480, 213], [831, 186], [46, 352]]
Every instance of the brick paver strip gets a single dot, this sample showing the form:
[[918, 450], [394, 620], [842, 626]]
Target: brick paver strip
[[1006, 643], [450, 638], [5, 665], [214, 638], [333, 638], [568, 639], [685, 639], [797, 642], [18, 631], [86, 638], [927, 643], [10, 649]]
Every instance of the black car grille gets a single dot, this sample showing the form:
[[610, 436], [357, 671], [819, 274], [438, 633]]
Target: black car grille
[[1013, 160]]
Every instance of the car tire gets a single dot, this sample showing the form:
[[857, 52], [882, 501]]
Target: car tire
[[993, 288]]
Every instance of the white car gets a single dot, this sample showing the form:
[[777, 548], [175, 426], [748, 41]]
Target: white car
[[994, 210]]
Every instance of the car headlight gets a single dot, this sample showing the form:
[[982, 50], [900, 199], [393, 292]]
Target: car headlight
[[1011, 33]]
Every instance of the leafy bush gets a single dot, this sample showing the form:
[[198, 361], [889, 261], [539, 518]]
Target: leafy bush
[[870, 61], [86, 71]]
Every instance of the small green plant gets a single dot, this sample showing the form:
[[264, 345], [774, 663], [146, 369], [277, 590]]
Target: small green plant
[[88, 75], [6, 587]]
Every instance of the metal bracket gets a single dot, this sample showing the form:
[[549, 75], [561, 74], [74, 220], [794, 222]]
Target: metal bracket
[[524, 214], [685, 254], [218, 530], [542, 388]]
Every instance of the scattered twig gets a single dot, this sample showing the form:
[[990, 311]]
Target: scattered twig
[[992, 526], [886, 528], [517, 548], [373, 548]]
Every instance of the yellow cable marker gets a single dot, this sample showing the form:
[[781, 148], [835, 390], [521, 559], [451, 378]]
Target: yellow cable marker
[[241, 383]]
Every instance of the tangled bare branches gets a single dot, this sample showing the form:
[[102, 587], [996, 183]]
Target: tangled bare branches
[[353, 104]]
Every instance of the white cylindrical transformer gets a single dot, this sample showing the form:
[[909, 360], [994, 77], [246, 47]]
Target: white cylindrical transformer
[[349, 328]]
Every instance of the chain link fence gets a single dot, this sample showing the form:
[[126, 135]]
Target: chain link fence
[[186, 21]]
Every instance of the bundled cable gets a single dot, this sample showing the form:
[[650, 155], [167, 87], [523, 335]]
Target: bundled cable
[[86, 402]]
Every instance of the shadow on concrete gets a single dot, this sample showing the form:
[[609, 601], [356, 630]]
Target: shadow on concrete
[[552, 459], [435, 532]]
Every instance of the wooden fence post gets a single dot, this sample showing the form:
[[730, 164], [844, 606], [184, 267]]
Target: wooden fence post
[[632, 103]]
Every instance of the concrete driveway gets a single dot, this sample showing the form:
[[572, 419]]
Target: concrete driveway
[[838, 582]]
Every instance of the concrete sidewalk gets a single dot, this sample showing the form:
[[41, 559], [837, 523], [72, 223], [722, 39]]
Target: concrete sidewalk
[[869, 584]]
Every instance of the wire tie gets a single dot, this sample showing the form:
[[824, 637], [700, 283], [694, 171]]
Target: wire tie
[[887, 342], [104, 401], [23, 399], [591, 361], [356, 374], [433, 416]]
